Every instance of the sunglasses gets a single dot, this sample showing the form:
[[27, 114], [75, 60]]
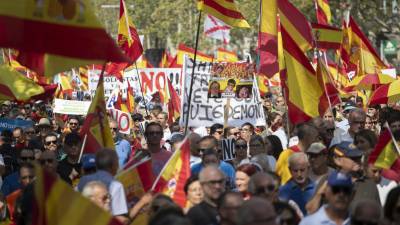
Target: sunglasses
[[241, 146], [76, 124], [214, 182], [51, 142], [344, 190], [268, 189], [27, 158], [27, 177], [44, 161]]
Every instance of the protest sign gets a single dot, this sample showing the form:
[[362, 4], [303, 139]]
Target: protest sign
[[206, 111], [228, 149], [10, 124], [152, 80], [136, 180], [230, 80], [123, 120], [71, 107]]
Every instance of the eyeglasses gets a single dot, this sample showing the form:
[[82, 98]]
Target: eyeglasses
[[27, 158], [44, 161], [205, 149], [106, 197], [76, 124], [214, 182], [362, 222], [51, 142], [27, 177], [344, 190], [267, 189], [241, 146]]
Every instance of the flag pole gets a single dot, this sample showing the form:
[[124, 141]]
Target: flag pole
[[192, 77], [141, 91]]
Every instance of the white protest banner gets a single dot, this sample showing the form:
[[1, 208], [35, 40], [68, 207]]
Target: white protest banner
[[152, 80], [205, 111], [71, 107], [123, 120], [228, 149]]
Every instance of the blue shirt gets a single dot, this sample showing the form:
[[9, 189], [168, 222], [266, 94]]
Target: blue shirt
[[292, 191], [123, 149], [320, 218], [11, 183], [225, 167], [101, 175]]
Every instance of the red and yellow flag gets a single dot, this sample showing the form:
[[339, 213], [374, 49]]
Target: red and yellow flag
[[268, 39], [66, 33], [173, 176], [296, 24], [358, 53], [224, 55], [96, 126], [225, 10], [184, 50], [84, 77], [130, 100], [385, 154], [55, 202], [173, 102], [327, 37], [323, 12], [300, 83], [330, 96]]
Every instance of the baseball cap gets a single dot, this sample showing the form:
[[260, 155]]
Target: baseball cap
[[347, 149], [88, 161], [316, 148], [348, 106], [338, 179], [44, 122]]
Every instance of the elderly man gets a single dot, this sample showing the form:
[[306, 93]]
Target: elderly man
[[122, 146], [356, 119], [212, 181], [97, 192], [338, 194], [300, 188]]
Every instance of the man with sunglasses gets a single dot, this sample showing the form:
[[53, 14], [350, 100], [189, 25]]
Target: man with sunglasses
[[122, 146], [338, 194], [212, 181], [51, 144], [12, 181], [217, 131], [69, 168], [73, 124], [356, 122]]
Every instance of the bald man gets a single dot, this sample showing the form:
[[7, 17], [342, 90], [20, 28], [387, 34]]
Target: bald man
[[212, 181]]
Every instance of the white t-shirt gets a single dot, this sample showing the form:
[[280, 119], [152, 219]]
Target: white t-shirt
[[384, 188], [280, 133], [118, 199]]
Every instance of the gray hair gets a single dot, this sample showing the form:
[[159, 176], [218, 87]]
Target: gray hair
[[88, 189], [257, 176], [296, 157]]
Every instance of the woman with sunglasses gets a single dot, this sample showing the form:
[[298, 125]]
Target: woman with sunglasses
[[240, 151]]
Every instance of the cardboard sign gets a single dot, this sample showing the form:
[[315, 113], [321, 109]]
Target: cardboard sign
[[206, 111], [123, 120], [71, 107], [10, 124], [228, 149]]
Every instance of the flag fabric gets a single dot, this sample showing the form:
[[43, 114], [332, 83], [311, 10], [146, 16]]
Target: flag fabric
[[171, 180], [323, 12], [330, 97], [15, 86], [385, 153], [387, 93], [358, 53], [65, 33], [215, 28], [173, 102], [327, 37], [96, 126], [166, 59], [296, 24], [55, 202], [224, 55], [84, 77], [225, 10], [130, 99], [300, 83], [184, 50], [268, 39]]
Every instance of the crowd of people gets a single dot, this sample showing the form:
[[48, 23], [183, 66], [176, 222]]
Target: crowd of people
[[317, 172]]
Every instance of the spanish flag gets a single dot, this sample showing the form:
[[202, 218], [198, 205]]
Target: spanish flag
[[327, 37], [173, 176], [54, 202], [386, 153], [84, 76], [268, 39], [330, 96], [130, 99], [357, 51], [225, 10], [300, 83], [224, 55], [96, 126], [15, 86], [296, 24], [323, 12], [66, 33], [173, 101], [184, 50]]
